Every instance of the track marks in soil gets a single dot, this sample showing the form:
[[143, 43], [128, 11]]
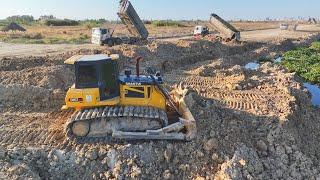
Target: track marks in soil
[[50, 135], [254, 100]]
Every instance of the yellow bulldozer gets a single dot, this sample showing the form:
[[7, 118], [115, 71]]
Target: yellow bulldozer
[[109, 106]]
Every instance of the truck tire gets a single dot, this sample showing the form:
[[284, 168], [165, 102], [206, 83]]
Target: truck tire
[[118, 41], [110, 43]]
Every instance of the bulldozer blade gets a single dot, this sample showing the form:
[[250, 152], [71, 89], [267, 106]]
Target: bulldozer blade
[[187, 119], [148, 136]]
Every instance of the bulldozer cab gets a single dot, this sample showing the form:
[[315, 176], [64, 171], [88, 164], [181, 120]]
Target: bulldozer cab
[[98, 71]]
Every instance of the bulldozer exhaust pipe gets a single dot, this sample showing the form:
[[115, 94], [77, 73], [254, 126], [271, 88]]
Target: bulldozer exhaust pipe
[[138, 59]]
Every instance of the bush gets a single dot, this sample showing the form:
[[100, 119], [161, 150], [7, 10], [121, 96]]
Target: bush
[[316, 46], [59, 22], [305, 62], [24, 19], [90, 25], [3, 23], [167, 23]]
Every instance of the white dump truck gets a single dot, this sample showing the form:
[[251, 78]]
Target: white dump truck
[[130, 19]]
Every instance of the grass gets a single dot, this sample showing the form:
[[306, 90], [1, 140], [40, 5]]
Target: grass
[[40, 39], [305, 62], [166, 23], [41, 34], [89, 24], [3, 23]]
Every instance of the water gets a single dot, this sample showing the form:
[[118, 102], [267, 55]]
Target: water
[[278, 60], [315, 91], [252, 66]]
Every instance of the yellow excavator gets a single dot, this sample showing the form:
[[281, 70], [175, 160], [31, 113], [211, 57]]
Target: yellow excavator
[[110, 106]]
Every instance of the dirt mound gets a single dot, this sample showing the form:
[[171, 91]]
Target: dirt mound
[[25, 97], [49, 77], [245, 164]]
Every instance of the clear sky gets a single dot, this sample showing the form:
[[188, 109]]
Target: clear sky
[[163, 9]]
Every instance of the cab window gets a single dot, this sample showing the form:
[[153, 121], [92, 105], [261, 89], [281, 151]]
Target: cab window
[[104, 31], [87, 75]]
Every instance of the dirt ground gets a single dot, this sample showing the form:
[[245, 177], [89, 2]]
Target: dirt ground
[[251, 32], [252, 124]]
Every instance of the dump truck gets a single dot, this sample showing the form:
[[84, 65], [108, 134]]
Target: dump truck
[[110, 106], [226, 30], [130, 19]]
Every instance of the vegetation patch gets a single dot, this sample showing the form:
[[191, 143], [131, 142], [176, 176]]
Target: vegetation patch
[[305, 62], [165, 23], [24, 19], [91, 23], [38, 38], [3, 23], [60, 22]]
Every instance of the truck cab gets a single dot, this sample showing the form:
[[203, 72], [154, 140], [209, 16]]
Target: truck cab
[[200, 31], [100, 35]]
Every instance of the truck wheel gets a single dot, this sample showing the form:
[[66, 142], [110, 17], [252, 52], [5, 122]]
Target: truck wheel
[[110, 43], [118, 41]]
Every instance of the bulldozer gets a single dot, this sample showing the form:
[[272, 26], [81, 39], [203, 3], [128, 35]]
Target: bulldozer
[[111, 107]]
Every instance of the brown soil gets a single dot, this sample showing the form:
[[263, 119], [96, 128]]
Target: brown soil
[[251, 124]]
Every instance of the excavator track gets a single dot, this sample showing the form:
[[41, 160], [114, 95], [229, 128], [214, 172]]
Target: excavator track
[[109, 124]]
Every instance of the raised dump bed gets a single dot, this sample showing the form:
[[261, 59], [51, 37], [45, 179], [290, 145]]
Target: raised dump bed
[[227, 31], [131, 19]]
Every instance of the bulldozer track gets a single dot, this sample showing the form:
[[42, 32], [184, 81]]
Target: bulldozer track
[[50, 132], [98, 114]]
